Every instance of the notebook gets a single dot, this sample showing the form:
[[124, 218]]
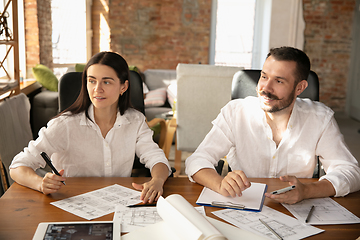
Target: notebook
[[252, 198]]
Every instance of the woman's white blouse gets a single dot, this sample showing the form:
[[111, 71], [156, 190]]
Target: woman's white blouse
[[76, 145]]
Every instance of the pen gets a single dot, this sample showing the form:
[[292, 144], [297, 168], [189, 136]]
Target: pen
[[309, 214], [283, 190], [48, 161], [272, 230], [143, 205]]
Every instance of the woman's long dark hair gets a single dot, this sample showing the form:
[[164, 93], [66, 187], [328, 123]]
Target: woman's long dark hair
[[120, 66]]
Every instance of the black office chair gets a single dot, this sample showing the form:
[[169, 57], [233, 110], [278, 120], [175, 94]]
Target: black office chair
[[244, 84], [69, 89], [70, 86]]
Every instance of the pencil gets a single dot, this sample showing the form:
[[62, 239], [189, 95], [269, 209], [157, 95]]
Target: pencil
[[309, 214], [271, 230]]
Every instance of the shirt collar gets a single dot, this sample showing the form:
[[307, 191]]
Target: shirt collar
[[118, 122]]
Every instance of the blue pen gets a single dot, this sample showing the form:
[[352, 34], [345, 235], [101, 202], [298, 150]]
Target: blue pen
[[48, 161]]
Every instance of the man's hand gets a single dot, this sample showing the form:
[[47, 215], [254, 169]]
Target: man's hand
[[290, 197], [234, 183], [51, 182], [151, 191]]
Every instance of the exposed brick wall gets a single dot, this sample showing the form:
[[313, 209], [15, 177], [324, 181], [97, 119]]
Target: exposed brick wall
[[328, 43], [38, 43], [160, 33], [163, 33], [31, 35], [45, 32]]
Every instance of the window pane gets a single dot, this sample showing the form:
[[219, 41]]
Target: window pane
[[234, 32], [69, 31]]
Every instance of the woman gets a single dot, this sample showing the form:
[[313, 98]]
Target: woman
[[97, 136]]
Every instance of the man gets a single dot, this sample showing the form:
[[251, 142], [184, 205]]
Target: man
[[277, 135]]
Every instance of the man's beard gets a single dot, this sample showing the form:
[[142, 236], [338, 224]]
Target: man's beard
[[281, 104]]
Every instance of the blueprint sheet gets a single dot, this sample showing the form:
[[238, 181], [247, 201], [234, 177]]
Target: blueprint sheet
[[100, 202], [287, 227], [134, 218], [326, 211]]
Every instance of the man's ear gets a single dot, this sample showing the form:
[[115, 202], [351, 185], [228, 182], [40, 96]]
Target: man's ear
[[301, 86]]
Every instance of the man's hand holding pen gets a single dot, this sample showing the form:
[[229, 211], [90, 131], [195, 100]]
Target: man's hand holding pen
[[51, 182], [291, 196]]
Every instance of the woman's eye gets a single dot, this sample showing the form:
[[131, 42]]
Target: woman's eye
[[91, 81], [106, 82]]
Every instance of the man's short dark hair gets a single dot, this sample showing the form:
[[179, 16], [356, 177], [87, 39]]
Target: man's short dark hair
[[293, 54]]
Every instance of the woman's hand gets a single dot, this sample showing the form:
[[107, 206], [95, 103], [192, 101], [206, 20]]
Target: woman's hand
[[51, 182], [151, 191]]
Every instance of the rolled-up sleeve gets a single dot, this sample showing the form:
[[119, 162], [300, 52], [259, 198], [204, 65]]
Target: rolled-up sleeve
[[341, 168], [215, 145]]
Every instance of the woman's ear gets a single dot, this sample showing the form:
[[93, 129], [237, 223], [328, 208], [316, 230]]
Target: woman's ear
[[301, 86], [124, 87]]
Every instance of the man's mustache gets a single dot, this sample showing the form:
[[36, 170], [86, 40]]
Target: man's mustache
[[269, 95]]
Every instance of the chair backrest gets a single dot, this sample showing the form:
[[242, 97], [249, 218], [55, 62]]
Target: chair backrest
[[245, 81], [69, 90], [70, 86], [15, 129], [202, 90]]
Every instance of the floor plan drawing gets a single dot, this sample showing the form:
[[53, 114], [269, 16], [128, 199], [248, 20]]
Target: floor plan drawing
[[326, 211], [284, 225], [133, 218], [100, 202]]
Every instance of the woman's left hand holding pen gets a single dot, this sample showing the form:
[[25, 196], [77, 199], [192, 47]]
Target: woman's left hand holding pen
[[51, 182]]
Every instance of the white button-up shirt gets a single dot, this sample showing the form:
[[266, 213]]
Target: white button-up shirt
[[76, 145], [241, 132]]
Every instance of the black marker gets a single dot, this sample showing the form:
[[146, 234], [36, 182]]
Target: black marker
[[143, 205], [48, 161]]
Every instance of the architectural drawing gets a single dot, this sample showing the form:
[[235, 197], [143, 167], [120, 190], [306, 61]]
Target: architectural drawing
[[326, 211], [99, 202], [286, 226], [133, 218]]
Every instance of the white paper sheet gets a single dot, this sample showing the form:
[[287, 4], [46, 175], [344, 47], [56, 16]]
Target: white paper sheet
[[100, 202], [160, 231], [326, 211], [252, 198], [132, 219], [287, 227]]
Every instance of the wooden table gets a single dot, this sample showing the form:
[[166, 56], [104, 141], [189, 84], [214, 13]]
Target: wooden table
[[22, 209]]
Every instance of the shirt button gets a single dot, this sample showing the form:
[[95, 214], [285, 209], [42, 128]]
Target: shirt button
[[274, 157]]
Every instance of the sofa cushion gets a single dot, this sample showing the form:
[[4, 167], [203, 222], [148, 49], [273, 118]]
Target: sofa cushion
[[79, 67], [155, 98], [159, 78], [45, 77]]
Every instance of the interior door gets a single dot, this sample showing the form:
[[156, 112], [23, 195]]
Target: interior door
[[353, 103]]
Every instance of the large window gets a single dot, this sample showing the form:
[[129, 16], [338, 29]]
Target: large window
[[240, 31], [234, 32], [69, 33]]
